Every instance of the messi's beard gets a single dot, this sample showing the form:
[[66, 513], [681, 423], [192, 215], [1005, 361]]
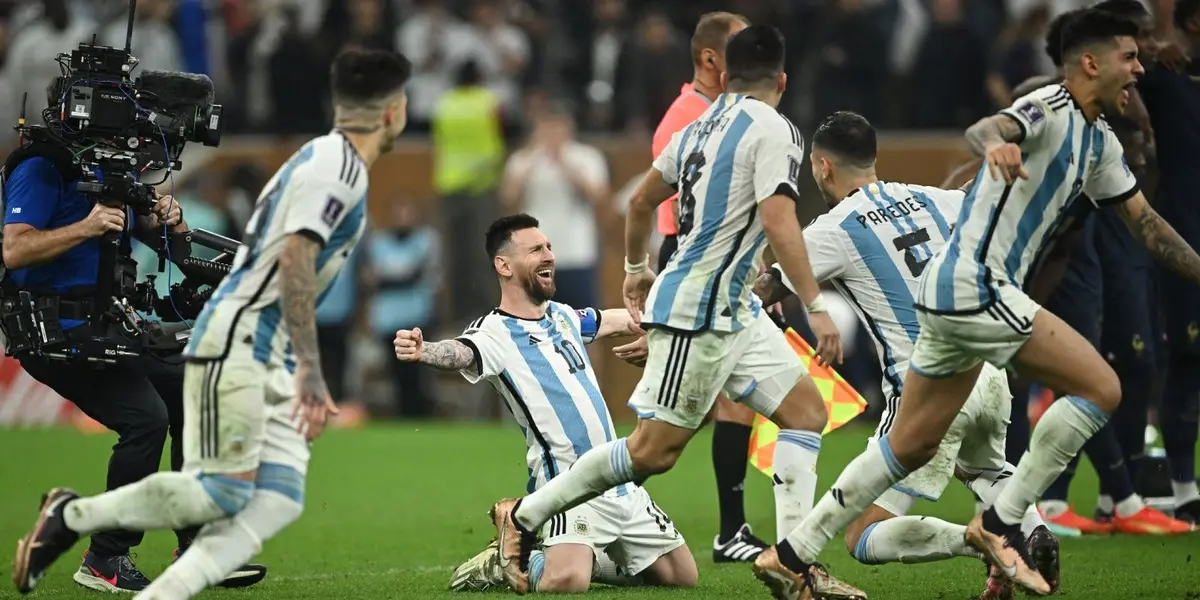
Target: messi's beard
[[538, 293]]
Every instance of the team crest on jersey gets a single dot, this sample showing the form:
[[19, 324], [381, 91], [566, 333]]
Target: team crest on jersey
[[333, 210], [1031, 111], [581, 526], [560, 322]]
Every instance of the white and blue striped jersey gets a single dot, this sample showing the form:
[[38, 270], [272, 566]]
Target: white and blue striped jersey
[[542, 371], [873, 246], [737, 154], [320, 192], [1004, 230]]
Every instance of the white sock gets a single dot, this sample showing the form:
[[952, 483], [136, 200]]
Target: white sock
[[1185, 491], [1130, 506], [167, 500], [912, 540], [1032, 520], [605, 571], [598, 470], [1058, 437], [1104, 503], [223, 546], [862, 482], [795, 478], [1053, 508]]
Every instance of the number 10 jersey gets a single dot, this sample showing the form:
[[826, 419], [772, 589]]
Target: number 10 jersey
[[737, 154]]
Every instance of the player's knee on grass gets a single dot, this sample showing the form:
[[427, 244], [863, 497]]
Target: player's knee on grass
[[676, 568], [568, 572]]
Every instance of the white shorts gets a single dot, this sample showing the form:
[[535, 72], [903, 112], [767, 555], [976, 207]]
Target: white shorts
[[236, 415], [952, 343], [685, 371], [975, 441], [631, 529]]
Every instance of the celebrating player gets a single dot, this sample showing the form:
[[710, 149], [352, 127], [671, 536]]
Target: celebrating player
[[873, 244], [253, 349], [1041, 153], [734, 422], [737, 170], [531, 351]]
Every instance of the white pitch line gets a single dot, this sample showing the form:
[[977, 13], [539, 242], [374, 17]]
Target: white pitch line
[[363, 574]]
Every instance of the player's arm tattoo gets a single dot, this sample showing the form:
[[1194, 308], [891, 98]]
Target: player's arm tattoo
[[449, 355], [298, 300], [989, 131], [1159, 238], [770, 289]]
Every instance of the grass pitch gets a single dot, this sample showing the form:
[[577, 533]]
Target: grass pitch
[[392, 509]]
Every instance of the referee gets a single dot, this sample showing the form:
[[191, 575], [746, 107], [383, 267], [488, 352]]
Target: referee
[[51, 248]]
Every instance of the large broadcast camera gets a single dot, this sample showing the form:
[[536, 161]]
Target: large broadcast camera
[[115, 129]]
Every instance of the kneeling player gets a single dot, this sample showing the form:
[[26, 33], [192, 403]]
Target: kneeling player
[[873, 244], [531, 350]]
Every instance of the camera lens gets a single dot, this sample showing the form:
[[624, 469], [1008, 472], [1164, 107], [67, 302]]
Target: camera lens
[[209, 124]]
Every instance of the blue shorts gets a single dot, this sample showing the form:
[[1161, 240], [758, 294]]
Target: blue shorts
[[1078, 299], [1130, 331]]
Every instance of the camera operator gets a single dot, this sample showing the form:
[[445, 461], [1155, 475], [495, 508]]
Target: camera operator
[[52, 241]]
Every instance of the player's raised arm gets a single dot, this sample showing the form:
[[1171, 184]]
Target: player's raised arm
[[997, 138], [615, 322], [447, 355]]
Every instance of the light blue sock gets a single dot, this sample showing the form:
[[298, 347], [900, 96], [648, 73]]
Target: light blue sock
[[537, 563]]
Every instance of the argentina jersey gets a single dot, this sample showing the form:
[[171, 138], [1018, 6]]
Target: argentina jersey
[[321, 193], [1004, 230], [737, 154], [874, 246], [542, 371]]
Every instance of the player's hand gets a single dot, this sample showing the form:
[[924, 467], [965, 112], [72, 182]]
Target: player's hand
[[313, 403], [1004, 161], [167, 211], [634, 352], [104, 219], [409, 344], [829, 339], [635, 290]]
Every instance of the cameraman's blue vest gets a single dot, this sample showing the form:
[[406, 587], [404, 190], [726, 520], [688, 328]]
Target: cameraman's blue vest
[[39, 190]]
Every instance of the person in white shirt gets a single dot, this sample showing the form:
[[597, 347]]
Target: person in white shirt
[[564, 184]]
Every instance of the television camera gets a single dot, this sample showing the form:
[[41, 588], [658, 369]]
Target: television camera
[[105, 130]]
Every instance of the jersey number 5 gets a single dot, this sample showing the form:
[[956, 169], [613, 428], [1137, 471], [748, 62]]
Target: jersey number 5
[[574, 359], [687, 197], [906, 243]]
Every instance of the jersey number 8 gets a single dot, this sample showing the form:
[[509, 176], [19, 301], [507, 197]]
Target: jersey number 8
[[687, 197]]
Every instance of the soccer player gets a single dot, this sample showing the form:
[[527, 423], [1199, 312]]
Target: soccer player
[[531, 351], [254, 394], [1041, 153], [734, 422], [1173, 101], [873, 244], [1104, 295], [737, 170]]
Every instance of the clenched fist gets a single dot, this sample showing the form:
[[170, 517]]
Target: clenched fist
[[409, 344], [104, 219]]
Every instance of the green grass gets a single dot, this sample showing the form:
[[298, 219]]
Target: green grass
[[393, 509]]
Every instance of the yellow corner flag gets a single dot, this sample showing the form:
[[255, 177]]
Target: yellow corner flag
[[842, 402]]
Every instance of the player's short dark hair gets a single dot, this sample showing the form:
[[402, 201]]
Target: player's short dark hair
[[366, 76], [1185, 10], [1054, 37], [755, 55], [500, 232], [1130, 9], [849, 136], [1090, 26], [712, 32]]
